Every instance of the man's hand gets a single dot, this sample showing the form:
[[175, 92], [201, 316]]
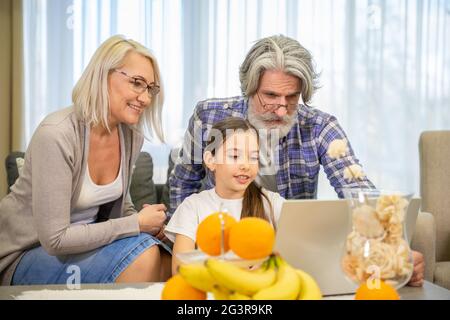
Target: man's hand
[[419, 270]]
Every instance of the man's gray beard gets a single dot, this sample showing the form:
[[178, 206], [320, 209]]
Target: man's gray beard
[[258, 121]]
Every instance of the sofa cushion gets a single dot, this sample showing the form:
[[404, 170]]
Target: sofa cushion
[[13, 163], [442, 274], [434, 151], [142, 189]]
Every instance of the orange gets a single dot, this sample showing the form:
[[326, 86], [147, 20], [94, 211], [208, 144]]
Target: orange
[[252, 238], [177, 288], [209, 233], [384, 292]]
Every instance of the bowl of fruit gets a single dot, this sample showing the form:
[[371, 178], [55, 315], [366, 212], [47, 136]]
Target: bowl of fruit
[[235, 261]]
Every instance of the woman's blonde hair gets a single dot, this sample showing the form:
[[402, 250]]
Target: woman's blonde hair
[[90, 94]]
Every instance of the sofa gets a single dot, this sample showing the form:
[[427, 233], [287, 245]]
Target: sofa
[[434, 156]]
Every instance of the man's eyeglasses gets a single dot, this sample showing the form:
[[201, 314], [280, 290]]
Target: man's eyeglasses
[[271, 107], [138, 85]]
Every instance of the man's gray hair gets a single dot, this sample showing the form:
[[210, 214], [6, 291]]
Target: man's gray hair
[[278, 53]]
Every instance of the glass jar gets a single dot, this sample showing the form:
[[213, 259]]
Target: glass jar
[[376, 247]]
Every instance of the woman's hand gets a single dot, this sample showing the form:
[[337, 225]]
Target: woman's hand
[[161, 236], [151, 218]]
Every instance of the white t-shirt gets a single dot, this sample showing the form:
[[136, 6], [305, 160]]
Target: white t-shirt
[[198, 206], [92, 196]]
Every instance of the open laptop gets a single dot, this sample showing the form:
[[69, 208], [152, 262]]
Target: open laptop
[[311, 235]]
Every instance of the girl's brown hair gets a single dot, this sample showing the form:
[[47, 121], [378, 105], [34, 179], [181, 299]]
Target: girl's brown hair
[[253, 203]]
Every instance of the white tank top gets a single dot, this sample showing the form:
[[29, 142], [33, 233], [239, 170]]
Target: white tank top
[[93, 195]]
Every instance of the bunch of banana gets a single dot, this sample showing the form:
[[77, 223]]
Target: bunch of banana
[[242, 281], [274, 280], [309, 288], [198, 276], [286, 287]]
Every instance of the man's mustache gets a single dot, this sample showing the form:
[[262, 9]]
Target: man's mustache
[[274, 117]]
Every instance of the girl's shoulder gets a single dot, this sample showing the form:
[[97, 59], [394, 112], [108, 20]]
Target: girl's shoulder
[[197, 205], [198, 199], [202, 195], [276, 201]]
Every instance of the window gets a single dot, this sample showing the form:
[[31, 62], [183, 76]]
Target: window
[[385, 65]]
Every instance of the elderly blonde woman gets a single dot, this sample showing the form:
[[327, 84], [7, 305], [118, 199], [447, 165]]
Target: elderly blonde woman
[[69, 216]]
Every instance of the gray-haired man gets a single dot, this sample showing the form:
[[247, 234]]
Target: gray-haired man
[[276, 73]]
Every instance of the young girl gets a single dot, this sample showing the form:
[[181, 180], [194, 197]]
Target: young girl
[[232, 155]]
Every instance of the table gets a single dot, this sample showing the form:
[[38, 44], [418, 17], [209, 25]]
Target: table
[[151, 291]]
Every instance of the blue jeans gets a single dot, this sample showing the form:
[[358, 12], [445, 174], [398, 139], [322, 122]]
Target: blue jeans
[[102, 265]]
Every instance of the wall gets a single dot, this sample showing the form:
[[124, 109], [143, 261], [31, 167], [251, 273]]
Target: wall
[[5, 87]]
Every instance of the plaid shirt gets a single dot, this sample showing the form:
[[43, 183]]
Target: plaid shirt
[[300, 154]]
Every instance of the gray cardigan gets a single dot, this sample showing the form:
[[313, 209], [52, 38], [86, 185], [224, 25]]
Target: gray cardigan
[[37, 211]]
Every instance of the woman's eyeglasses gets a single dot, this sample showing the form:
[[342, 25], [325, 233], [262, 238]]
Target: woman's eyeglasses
[[138, 85]]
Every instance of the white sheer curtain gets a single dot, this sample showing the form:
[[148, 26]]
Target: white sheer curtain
[[385, 65]]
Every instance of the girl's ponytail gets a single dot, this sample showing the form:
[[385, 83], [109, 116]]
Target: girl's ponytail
[[253, 204]]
